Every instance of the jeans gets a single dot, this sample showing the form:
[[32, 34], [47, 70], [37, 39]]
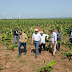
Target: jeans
[[19, 47], [41, 46], [16, 37], [36, 43]]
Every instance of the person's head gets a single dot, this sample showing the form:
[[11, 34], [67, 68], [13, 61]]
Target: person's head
[[59, 30], [36, 31], [51, 31], [41, 33], [21, 31], [16, 29], [38, 28]]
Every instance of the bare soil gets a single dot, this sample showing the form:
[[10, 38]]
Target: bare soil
[[11, 62]]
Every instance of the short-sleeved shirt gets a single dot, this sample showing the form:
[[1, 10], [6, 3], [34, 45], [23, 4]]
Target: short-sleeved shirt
[[36, 37], [53, 37]]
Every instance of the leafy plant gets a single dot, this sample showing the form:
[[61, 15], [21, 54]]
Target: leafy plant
[[68, 54], [47, 67]]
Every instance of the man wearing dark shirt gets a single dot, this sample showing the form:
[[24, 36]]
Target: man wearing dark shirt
[[16, 36]]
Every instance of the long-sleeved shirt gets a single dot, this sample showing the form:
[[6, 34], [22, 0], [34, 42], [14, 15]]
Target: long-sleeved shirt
[[23, 38], [59, 36], [43, 38], [53, 38], [36, 37]]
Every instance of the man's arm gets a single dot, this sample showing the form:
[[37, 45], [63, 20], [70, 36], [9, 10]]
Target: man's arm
[[40, 41]]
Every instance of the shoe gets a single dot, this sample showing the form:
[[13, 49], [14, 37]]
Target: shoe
[[35, 56]]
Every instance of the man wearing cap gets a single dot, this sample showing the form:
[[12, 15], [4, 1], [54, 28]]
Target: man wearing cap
[[59, 38], [53, 41], [70, 36], [36, 38], [43, 40], [22, 41]]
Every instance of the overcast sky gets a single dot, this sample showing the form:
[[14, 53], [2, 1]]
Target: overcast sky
[[35, 8]]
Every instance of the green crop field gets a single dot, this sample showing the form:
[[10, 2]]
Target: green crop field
[[28, 25]]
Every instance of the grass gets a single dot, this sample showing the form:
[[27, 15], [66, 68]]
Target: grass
[[1, 69], [6, 55], [22, 61]]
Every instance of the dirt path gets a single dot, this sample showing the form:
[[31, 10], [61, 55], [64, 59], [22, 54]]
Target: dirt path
[[11, 62]]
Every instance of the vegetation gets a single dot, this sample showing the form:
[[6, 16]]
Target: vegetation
[[47, 67], [28, 25]]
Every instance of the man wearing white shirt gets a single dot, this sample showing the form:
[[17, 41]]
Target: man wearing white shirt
[[53, 41], [43, 40], [36, 38]]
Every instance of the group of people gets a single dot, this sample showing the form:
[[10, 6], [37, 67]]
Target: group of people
[[38, 39]]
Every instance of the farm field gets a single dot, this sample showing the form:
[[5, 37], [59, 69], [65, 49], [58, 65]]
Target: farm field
[[10, 61]]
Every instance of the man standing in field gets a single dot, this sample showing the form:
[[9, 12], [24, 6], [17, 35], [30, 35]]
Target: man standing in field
[[22, 41], [16, 36], [36, 38], [53, 41], [59, 38], [70, 40], [43, 40]]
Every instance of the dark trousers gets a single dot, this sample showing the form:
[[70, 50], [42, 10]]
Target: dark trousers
[[58, 46], [41, 46], [19, 47]]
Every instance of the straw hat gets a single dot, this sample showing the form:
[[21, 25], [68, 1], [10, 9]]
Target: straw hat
[[36, 30]]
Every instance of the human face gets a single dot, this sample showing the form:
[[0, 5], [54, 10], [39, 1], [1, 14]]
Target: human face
[[36, 32], [16, 29], [51, 32], [20, 32], [59, 30], [41, 34]]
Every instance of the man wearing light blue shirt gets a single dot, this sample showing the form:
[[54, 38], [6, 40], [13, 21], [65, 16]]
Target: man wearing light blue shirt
[[43, 40]]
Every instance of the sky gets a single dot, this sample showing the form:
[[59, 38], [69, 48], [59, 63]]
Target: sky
[[35, 9]]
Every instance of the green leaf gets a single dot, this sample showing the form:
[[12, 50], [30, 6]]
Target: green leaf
[[44, 62], [5, 36], [68, 53], [51, 63], [47, 68], [42, 68], [50, 69]]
